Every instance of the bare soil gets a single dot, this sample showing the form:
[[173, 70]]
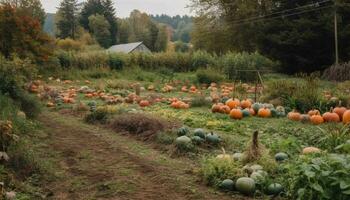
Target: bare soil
[[95, 163]]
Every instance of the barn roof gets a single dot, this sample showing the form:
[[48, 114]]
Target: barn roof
[[125, 48]]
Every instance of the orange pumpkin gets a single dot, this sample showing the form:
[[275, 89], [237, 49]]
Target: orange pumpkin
[[314, 112], [294, 116], [264, 112], [246, 104], [331, 117], [236, 114], [216, 108], [233, 103], [346, 117], [316, 119], [225, 109], [144, 103], [340, 111]]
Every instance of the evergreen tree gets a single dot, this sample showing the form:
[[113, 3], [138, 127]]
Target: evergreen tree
[[67, 19], [100, 29]]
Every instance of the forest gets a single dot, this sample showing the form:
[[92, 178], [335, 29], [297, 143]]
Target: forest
[[233, 100]]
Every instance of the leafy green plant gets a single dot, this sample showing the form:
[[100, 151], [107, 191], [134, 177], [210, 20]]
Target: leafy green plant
[[334, 135], [319, 177], [208, 76]]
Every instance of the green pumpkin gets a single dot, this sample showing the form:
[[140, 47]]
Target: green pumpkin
[[200, 133], [213, 138], [279, 157], [197, 140], [274, 112], [245, 186], [246, 113], [182, 131], [256, 107], [227, 185], [183, 140], [274, 189], [237, 156]]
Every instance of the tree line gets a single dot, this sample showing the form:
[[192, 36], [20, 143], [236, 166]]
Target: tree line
[[299, 33]]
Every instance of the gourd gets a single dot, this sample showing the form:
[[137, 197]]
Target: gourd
[[331, 117], [236, 114], [346, 117], [246, 104], [233, 103], [245, 185], [227, 185], [294, 116], [213, 139], [246, 112], [279, 157], [199, 132], [264, 112], [182, 131], [274, 189], [316, 119]]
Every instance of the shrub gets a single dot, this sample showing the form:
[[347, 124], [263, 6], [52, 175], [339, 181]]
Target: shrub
[[339, 72], [98, 116], [202, 59], [116, 61], [208, 76], [201, 101], [69, 44]]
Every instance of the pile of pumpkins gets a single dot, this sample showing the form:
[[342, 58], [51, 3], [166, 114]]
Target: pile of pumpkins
[[178, 104], [237, 109], [199, 136], [338, 114]]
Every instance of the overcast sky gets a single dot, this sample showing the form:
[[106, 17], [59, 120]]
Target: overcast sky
[[124, 7]]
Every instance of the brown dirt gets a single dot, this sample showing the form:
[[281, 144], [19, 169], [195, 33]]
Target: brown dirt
[[94, 163]]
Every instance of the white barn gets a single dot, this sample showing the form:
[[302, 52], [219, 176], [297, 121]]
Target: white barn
[[129, 48]]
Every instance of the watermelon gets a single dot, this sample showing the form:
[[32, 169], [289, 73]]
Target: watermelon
[[213, 138], [197, 140], [183, 140], [245, 185]]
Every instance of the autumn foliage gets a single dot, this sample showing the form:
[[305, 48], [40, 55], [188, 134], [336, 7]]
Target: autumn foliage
[[22, 35]]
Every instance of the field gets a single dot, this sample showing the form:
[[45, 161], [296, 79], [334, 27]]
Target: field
[[139, 135]]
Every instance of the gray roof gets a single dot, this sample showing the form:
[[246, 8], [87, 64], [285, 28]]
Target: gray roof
[[124, 48]]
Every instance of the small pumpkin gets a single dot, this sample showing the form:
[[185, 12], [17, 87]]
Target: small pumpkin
[[340, 111], [227, 185], [331, 117], [144, 103], [264, 112], [256, 107], [236, 114], [216, 108], [311, 150], [314, 112], [316, 119], [294, 116], [304, 118], [233, 103], [279, 157], [182, 131], [246, 104], [346, 117], [200, 133], [246, 112], [274, 189], [225, 109], [213, 138]]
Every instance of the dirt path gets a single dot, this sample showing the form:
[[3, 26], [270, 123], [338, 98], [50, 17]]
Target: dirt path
[[94, 163]]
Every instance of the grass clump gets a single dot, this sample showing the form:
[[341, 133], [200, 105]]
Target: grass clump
[[214, 170]]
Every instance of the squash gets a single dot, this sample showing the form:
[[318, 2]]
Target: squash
[[274, 112], [182, 131], [281, 111], [237, 156], [236, 114], [216, 108], [183, 140], [227, 185], [200, 133], [316, 119], [346, 117], [311, 150], [314, 112], [256, 107], [225, 109], [197, 140], [304, 118], [294, 116], [246, 112], [213, 138], [331, 117], [340, 111], [246, 104], [224, 156], [257, 177], [144, 103], [264, 112], [245, 185], [274, 189], [233, 103], [279, 157]]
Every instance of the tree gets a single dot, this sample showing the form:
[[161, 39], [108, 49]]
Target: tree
[[22, 35], [101, 7], [67, 19], [31, 8], [99, 26], [162, 39]]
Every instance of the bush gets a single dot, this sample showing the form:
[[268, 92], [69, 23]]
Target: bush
[[338, 73], [69, 44], [202, 59], [208, 76], [98, 116], [116, 62]]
